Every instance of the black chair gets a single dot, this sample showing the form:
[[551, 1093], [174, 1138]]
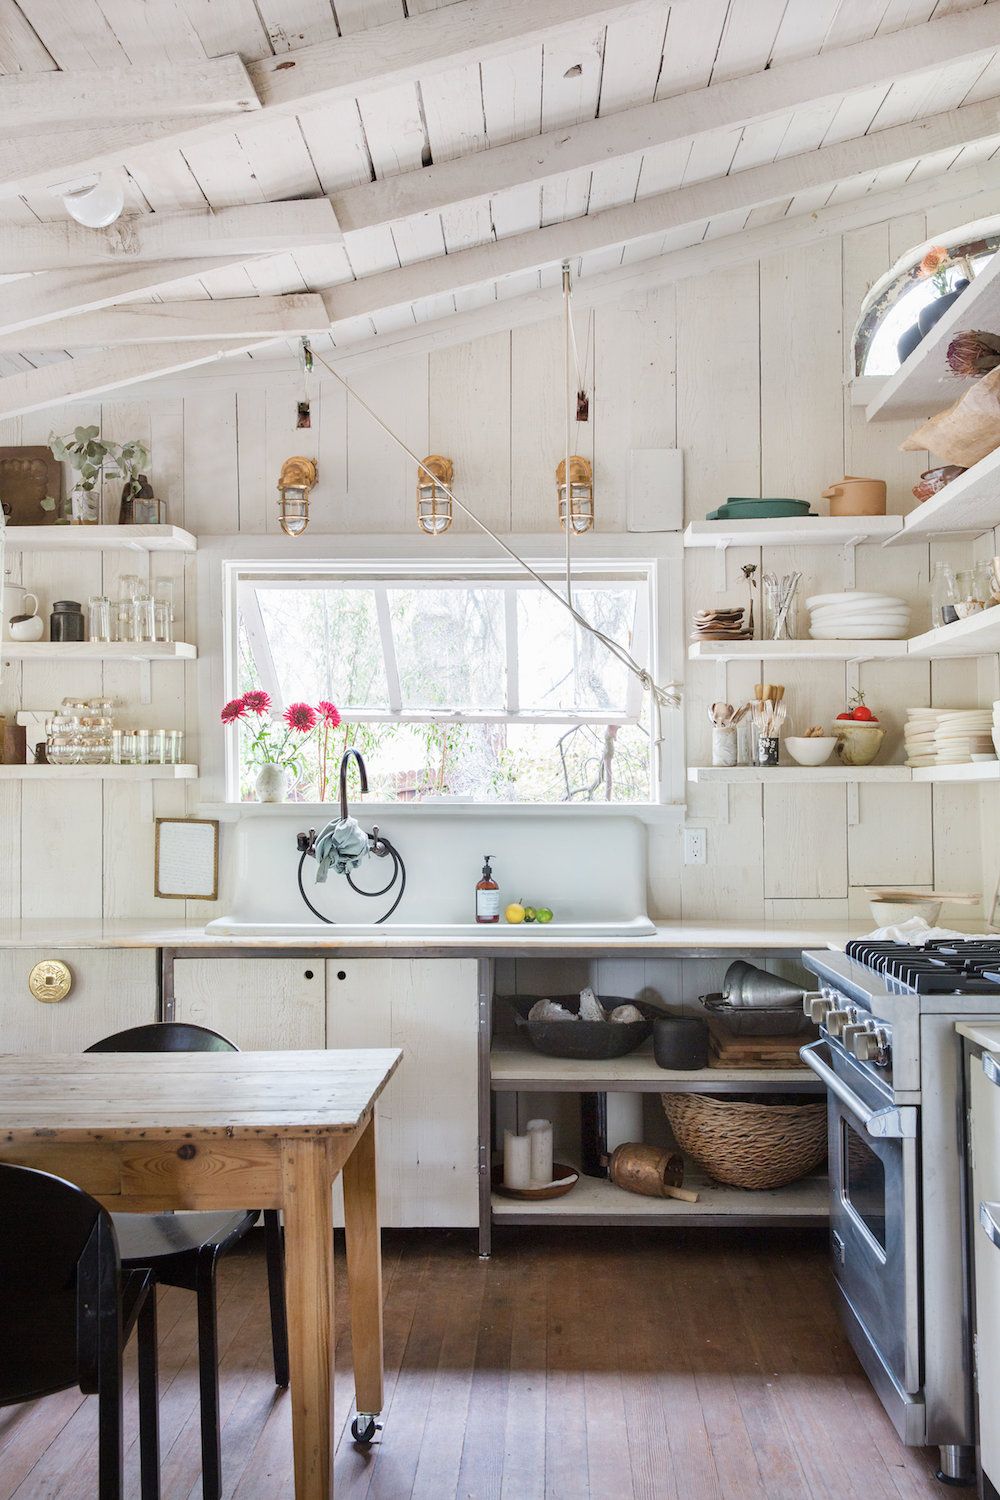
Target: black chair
[[67, 1310], [183, 1249]]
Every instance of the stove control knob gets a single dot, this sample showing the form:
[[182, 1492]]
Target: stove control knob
[[836, 1020], [817, 1007], [851, 1035], [864, 1045]]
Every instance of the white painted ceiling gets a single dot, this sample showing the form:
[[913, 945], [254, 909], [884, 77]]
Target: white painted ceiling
[[654, 52]]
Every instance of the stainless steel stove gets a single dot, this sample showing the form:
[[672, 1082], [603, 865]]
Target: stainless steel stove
[[892, 1063]]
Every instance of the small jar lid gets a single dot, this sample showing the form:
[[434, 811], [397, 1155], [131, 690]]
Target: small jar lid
[[67, 606]]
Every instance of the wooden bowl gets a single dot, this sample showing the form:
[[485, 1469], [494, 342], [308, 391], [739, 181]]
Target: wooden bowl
[[537, 1194]]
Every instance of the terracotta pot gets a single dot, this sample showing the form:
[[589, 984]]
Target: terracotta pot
[[851, 496]]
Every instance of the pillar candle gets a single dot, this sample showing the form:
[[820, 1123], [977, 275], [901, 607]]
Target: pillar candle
[[540, 1136], [516, 1160]]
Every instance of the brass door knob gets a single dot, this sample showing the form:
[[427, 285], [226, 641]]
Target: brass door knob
[[50, 980]]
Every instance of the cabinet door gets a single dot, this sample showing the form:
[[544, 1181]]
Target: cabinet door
[[427, 1118], [261, 1004], [986, 1191], [113, 988]]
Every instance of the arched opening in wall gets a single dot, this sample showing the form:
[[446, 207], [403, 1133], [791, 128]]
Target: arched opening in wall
[[904, 304]]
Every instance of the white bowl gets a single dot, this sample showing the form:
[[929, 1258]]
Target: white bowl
[[810, 751], [888, 913]]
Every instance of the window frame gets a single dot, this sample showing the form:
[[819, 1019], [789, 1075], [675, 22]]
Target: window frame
[[657, 558]]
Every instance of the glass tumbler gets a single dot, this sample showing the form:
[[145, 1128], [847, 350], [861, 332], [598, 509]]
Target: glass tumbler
[[163, 609], [175, 747], [99, 611], [143, 618]]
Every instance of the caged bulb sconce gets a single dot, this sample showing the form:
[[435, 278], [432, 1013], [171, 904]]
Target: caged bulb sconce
[[581, 494], [434, 512], [298, 475]]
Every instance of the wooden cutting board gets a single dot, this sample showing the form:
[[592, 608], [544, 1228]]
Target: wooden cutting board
[[727, 1051]]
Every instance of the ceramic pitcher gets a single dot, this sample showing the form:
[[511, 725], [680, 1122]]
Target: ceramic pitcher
[[17, 600]]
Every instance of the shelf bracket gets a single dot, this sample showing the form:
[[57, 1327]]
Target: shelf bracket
[[853, 680], [721, 571], [720, 681], [850, 560], [853, 805], [145, 682]]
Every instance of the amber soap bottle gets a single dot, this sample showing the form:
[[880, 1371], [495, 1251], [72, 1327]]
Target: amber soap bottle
[[487, 895]]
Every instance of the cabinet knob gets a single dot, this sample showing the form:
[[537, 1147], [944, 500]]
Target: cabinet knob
[[50, 980]]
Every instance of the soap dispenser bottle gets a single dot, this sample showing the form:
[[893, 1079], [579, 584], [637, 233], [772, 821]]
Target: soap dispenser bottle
[[487, 895]]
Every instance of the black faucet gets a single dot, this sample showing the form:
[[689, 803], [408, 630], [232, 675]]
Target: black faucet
[[345, 761]]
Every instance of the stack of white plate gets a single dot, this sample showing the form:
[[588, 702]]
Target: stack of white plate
[[995, 728], [947, 736], [853, 616]]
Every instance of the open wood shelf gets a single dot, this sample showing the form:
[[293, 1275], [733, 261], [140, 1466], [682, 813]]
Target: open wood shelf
[[98, 773], [923, 384], [978, 635], [516, 1066], [969, 505], [54, 652], [804, 650], [974, 770], [734, 775], [100, 538], [596, 1201], [792, 531]]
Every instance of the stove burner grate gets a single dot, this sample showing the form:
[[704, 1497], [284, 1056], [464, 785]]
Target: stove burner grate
[[942, 967]]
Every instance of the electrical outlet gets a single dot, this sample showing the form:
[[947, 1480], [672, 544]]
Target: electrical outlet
[[695, 846]]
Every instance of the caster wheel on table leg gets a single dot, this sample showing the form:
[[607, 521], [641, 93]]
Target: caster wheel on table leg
[[364, 1427]]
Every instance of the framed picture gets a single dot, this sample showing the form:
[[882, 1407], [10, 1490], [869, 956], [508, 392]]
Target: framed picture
[[187, 859]]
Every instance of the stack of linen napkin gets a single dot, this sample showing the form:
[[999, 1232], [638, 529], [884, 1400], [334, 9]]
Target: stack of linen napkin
[[947, 736]]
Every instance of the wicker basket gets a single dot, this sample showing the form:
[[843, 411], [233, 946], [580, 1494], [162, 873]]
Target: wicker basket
[[748, 1145]]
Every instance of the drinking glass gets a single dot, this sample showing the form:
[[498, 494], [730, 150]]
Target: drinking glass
[[142, 747], [163, 609], [143, 618], [158, 747], [175, 747], [99, 609]]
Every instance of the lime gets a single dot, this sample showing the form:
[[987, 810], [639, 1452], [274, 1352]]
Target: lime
[[529, 913], [543, 914]]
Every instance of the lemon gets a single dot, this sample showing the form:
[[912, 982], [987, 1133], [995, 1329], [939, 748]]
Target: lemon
[[515, 913]]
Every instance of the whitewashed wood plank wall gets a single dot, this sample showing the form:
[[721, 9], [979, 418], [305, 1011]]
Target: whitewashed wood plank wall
[[744, 372]]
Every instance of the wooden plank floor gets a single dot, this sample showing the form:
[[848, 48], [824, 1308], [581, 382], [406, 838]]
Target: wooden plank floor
[[687, 1365]]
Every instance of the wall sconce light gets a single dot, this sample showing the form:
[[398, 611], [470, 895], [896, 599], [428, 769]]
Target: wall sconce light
[[298, 475], [433, 502], [581, 493]]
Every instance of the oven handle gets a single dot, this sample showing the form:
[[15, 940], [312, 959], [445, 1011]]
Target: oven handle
[[882, 1124], [991, 1068], [988, 1221]]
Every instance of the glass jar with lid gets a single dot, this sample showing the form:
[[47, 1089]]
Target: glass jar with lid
[[62, 740]]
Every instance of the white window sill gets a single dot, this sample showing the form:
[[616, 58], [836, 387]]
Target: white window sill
[[646, 812]]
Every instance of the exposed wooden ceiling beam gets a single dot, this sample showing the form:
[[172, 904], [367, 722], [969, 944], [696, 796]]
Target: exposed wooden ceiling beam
[[974, 189], [165, 322], [33, 102], [337, 68], [78, 379], [250, 229], [723, 106], [664, 212], [33, 300]]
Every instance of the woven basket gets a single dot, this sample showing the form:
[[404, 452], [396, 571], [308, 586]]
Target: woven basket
[[748, 1145]]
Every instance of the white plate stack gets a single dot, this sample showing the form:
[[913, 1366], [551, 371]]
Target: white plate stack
[[853, 616], [995, 728], [947, 736]]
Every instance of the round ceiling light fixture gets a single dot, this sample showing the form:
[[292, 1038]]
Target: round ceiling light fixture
[[94, 201]]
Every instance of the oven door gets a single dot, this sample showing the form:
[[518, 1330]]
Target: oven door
[[874, 1213]]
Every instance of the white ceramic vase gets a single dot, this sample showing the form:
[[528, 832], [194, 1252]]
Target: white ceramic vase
[[272, 784]]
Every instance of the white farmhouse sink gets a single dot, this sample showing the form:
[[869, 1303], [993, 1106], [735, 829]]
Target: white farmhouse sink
[[428, 931]]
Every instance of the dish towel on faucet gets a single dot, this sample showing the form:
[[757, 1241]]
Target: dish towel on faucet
[[340, 846]]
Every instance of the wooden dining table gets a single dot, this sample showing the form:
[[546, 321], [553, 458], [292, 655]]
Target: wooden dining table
[[145, 1132]]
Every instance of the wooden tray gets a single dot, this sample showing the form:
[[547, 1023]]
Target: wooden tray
[[539, 1194], [728, 1051]]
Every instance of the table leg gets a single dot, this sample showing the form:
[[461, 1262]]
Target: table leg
[[364, 1269], [306, 1187]]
